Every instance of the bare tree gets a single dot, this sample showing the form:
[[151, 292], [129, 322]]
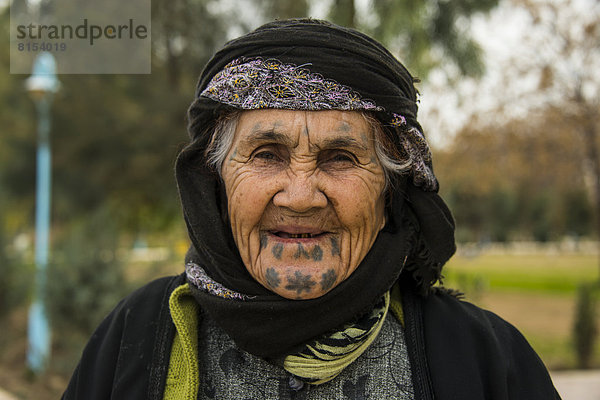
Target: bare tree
[[564, 42]]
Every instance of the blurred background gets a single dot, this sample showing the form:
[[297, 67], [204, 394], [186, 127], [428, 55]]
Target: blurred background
[[509, 100]]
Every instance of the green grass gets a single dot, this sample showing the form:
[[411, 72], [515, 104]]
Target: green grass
[[556, 353], [557, 273], [543, 277]]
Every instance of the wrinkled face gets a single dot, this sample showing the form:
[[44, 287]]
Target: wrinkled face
[[305, 197]]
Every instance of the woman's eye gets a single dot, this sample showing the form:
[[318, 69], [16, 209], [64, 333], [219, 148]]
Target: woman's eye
[[339, 158], [266, 155], [342, 157]]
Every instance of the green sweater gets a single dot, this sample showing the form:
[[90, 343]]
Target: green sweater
[[183, 378]]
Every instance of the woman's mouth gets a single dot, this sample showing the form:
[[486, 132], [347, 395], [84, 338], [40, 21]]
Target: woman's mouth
[[287, 235]]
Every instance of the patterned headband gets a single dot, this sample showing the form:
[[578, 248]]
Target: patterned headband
[[251, 84]]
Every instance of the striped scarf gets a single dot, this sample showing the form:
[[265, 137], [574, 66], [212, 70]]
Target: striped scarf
[[324, 359]]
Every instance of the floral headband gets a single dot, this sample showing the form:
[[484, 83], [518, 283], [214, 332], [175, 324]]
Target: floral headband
[[251, 84]]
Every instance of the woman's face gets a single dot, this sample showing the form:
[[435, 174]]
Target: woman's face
[[305, 197]]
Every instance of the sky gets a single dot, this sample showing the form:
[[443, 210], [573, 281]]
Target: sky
[[447, 102], [513, 49]]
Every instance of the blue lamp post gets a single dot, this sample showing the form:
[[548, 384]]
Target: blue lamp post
[[42, 84]]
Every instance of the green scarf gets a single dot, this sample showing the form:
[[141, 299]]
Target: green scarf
[[317, 363]]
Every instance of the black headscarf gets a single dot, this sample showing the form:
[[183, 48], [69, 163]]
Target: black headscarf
[[416, 241]]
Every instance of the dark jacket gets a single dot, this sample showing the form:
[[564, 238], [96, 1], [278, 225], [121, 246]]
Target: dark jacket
[[457, 351]]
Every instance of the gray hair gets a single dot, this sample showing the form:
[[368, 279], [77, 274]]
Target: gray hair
[[221, 140], [392, 161]]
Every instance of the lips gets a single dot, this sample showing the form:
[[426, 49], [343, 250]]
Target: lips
[[288, 235]]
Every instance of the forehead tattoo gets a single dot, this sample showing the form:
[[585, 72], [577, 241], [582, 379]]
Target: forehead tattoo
[[363, 137], [344, 127]]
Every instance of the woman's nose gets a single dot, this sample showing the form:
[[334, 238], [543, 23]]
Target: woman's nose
[[300, 193]]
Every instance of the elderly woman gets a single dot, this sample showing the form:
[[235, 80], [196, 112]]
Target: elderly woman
[[317, 236]]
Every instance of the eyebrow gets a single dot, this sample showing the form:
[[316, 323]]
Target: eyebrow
[[267, 136], [343, 142], [270, 135]]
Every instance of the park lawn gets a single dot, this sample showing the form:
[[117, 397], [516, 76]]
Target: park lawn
[[552, 273], [536, 293]]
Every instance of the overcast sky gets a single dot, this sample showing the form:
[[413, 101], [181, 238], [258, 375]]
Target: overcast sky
[[510, 44], [505, 37]]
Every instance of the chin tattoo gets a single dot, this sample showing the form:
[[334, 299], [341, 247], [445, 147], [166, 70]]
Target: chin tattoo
[[300, 282], [277, 250], [328, 279], [272, 278], [335, 247]]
